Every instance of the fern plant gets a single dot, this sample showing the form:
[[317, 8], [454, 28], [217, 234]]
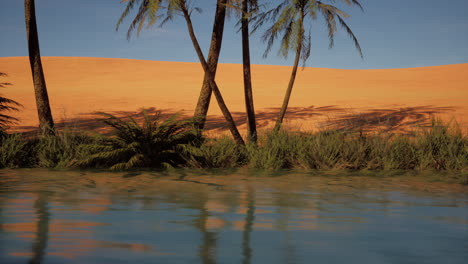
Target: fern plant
[[152, 144]]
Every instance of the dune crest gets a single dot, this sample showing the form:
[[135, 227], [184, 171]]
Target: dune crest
[[394, 99]]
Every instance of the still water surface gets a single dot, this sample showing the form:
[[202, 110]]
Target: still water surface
[[84, 217]]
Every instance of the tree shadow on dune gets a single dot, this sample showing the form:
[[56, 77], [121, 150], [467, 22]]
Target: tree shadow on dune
[[268, 115], [93, 121], [401, 120]]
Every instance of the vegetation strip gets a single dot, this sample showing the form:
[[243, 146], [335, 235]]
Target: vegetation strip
[[175, 143]]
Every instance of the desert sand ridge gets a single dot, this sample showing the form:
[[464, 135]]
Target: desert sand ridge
[[391, 99]]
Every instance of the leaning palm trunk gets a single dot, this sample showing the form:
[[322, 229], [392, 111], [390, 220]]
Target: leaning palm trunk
[[204, 99], [46, 123], [249, 105], [288, 20], [287, 96], [214, 87]]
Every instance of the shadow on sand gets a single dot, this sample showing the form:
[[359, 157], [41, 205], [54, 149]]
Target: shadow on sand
[[401, 120]]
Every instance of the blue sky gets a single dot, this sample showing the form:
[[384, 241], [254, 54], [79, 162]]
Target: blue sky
[[393, 34]]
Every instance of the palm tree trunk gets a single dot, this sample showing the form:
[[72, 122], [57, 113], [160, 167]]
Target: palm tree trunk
[[204, 99], [287, 96], [249, 105], [46, 122], [214, 87]]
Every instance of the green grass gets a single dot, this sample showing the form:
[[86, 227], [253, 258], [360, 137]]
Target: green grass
[[214, 153], [13, 151], [158, 143], [59, 151], [63, 150]]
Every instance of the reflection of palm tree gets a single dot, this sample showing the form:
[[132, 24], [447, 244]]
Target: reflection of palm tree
[[198, 201], [249, 221], [208, 246], [285, 205], [42, 233], [1, 227]]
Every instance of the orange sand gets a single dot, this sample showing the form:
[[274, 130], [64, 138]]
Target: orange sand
[[394, 98]]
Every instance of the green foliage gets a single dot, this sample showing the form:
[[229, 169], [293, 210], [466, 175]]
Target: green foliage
[[63, 149], [13, 151], [58, 151], [235, 6], [215, 153], [158, 143], [275, 151], [6, 105], [153, 144], [443, 147], [151, 12], [289, 19]]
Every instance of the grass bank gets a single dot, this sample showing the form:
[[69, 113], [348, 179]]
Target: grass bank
[[172, 143]]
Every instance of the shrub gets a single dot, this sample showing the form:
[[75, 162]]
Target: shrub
[[13, 151], [215, 153], [153, 144], [64, 149]]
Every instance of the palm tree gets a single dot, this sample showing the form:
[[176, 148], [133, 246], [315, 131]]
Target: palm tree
[[247, 8], [7, 105], [46, 122], [148, 13], [289, 19], [201, 110]]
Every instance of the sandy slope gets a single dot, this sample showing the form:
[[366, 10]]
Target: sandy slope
[[391, 98]]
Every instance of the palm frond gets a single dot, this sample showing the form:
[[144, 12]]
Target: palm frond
[[329, 17], [7, 104], [125, 13], [288, 19], [351, 35], [151, 12]]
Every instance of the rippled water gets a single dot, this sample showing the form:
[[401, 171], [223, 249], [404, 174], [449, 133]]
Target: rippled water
[[83, 217]]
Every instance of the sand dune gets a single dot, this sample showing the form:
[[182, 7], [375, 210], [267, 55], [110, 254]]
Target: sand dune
[[393, 99]]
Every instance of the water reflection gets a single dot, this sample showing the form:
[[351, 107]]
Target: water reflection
[[42, 232], [249, 220], [145, 218]]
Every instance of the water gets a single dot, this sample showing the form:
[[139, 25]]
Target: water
[[83, 217]]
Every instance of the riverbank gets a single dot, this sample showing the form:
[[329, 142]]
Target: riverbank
[[441, 148]]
